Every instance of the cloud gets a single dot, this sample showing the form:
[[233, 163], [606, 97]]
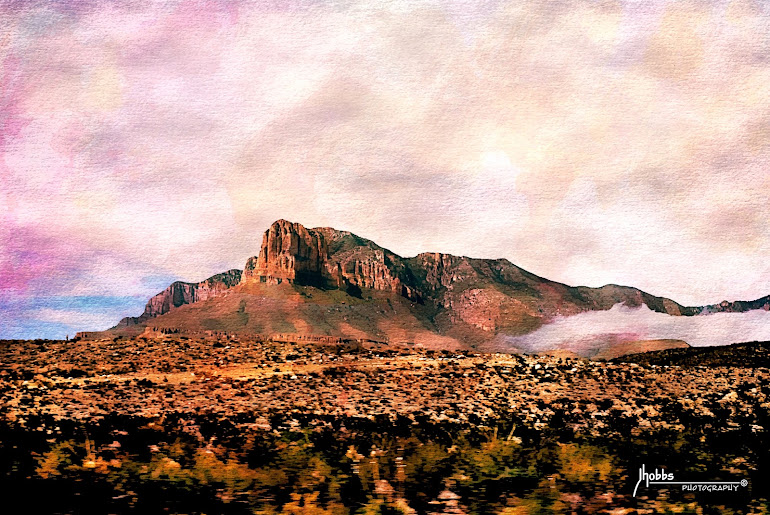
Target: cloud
[[622, 323], [590, 143], [87, 321]]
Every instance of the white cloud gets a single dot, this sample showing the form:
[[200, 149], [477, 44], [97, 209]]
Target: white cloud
[[620, 322], [78, 320]]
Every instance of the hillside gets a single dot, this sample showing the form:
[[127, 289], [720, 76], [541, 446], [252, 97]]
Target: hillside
[[748, 355]]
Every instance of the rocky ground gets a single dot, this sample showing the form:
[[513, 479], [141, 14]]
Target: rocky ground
[[210, 390]]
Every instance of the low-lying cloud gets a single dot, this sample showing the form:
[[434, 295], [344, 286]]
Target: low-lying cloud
[[586, 331]]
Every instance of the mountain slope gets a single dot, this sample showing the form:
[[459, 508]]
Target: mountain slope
[[744, 355]]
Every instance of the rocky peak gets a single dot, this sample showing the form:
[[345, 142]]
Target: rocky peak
[[326, 257], [291, 253], [738, 306], [473, 298]]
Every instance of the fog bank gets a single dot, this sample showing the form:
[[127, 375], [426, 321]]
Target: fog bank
[[582, 332]]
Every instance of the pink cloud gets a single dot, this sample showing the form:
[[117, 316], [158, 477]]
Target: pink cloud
[[148, 137]]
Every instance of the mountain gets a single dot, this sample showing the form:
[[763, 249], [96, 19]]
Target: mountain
[[325, 282], [738, 306]]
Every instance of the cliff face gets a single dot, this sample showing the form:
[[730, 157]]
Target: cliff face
[[327, 258], [289, 252], [355, 263], [180, 293]]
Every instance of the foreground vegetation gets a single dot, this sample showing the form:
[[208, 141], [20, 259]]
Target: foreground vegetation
[[199, 466], [271, 427]]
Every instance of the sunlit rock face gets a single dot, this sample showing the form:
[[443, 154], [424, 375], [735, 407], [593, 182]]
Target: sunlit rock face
[[289, 252], [180, 293], [327, 258]]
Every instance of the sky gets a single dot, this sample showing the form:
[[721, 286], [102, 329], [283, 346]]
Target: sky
[[589, 142]]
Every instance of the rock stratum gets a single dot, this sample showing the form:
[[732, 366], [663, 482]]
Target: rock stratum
[[324, 282]]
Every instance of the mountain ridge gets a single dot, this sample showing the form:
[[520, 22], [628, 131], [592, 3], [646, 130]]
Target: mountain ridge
[[301, 278]]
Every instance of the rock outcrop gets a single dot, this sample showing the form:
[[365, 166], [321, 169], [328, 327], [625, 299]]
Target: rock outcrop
[[327, 258], [289, 252], [180, 293]]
